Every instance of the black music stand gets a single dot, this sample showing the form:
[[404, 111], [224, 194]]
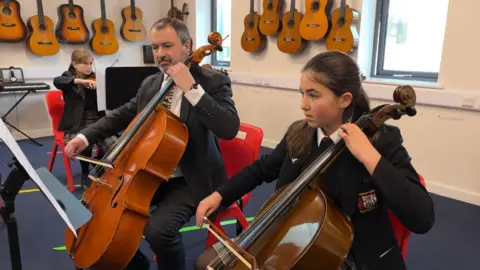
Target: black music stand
[[122, 83], [15, 75], [70, 208], [8, 191]]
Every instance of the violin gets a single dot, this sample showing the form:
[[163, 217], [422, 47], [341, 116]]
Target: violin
[[119, 199], [299, 225]]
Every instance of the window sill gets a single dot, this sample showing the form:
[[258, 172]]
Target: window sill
[[394, 82]]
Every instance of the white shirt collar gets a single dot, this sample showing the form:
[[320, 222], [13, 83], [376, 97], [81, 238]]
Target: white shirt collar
[[320, 135]]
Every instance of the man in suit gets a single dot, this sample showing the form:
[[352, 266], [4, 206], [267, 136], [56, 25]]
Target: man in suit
[[203, 101]]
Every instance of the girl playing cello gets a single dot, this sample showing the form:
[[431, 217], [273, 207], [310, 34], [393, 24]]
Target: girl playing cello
[[365, 181]]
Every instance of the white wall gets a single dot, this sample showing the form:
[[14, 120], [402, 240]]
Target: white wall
[[440, 139], [31, 115]]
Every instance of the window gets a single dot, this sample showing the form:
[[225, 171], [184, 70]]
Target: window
[[222, 23], [409, 39]]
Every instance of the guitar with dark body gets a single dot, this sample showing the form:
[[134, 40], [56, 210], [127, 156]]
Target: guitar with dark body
[[71, 27], [12, 27]]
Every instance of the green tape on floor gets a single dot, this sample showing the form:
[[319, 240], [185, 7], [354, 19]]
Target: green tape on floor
[[184, 229]]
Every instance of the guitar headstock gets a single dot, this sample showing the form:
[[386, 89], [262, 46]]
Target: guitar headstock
[[185, 10]]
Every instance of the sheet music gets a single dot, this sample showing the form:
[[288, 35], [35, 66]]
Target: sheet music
[[8, 139], [101, 89]]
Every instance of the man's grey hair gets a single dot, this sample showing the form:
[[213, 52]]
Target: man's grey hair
[[179, 26]]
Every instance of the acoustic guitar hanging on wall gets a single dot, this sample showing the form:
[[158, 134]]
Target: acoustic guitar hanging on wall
[[344, 36], [289, 40], [71, 26], [103, 40], [315, 23], [12, 27], [252, 39], [270, 19], [42, 40], [132, 26], [174, 12]]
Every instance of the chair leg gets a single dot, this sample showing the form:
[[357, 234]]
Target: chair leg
[[68, 171], [238, 225], [53, 156]]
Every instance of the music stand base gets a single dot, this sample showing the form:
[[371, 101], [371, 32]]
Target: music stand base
[[8, 191]]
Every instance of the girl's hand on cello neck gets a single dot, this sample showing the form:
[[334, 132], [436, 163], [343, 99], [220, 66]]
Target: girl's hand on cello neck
[[360, 146]]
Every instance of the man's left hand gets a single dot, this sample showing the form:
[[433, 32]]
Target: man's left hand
[[181, 76]]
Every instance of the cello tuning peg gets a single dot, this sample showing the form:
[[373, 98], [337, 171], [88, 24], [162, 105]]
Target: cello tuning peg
[[410, 111]]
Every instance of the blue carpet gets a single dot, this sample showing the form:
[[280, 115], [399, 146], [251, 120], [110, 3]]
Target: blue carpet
[[451, 244]]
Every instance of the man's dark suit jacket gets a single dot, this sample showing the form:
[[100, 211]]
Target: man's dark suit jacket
[[366, 198], [213, 117]]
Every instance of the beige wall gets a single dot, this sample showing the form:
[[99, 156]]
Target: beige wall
[[440, 138]]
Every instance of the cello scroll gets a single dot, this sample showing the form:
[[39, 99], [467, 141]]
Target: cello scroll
[[406, 99]]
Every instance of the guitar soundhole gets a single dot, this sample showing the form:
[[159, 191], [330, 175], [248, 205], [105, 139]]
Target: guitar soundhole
[[316, 5], [42, 27], [341, 22], [6, 11], [72, 15], [270, 6], [105, 30], [291, 23], [134, 17]]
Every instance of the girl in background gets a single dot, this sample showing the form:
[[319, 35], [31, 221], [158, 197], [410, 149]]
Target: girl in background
[[78, 85], [365, 181]]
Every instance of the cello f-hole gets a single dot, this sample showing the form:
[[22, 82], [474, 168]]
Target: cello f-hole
[[114, 203]]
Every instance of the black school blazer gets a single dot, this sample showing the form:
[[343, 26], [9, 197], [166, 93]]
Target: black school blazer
[[394, 185], [74, 103]]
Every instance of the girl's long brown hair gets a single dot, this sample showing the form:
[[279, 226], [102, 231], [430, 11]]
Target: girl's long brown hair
[[339, 73], [79, 56]]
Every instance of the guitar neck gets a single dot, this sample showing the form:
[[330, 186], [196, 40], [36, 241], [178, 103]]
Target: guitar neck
[[41, 16], [342, 9], [70, 5], [132, 7], [292, 10], [104, 15]]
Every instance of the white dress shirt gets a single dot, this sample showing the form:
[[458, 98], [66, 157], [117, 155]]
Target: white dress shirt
[[193, 96], [334, 137]]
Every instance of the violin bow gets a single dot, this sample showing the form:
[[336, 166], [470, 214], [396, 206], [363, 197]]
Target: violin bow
[[230, 245]]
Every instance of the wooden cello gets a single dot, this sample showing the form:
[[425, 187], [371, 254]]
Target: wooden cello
[[145, 156], [299, 226]]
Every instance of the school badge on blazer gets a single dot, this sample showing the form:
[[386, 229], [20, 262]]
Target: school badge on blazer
[[367, 201]]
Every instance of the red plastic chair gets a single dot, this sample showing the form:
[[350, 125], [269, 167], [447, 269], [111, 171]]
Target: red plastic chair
[[55, 105], [401, 232], [237, 154]]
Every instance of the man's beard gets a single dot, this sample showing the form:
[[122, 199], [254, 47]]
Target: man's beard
[[164, 67]]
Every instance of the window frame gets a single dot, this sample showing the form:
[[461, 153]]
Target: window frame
[[214, 60], [378, 54]]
